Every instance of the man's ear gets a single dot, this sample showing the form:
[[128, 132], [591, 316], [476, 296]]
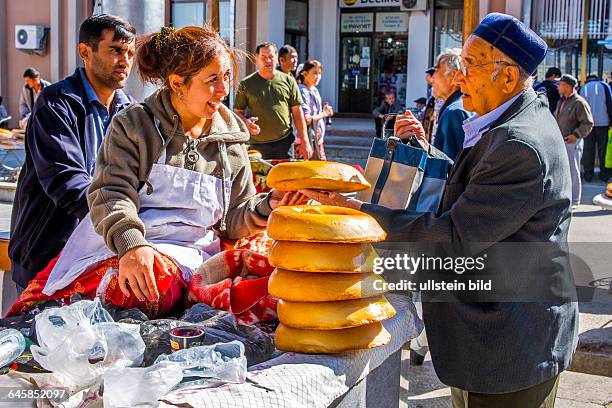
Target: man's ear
[[512, 78], [84, 51]]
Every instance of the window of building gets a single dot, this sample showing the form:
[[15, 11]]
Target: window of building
[[296, 26], [194, 12], [448, 25]]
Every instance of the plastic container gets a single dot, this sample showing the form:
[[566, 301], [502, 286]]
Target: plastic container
[[12, 344], [328, 120]]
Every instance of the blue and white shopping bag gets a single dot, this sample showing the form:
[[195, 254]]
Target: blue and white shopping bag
[[405, 176]]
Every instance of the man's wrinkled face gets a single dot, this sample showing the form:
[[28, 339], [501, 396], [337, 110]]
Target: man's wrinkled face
[[565, 89], [111, 62], [390, 99], [442, 83], [266, 60], [289, 62], [481, 93]]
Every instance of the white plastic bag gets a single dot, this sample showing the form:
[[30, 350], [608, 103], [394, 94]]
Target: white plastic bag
[[223, 361], [81, 342], [129, 387]]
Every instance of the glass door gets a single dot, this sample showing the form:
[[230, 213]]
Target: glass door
[[391, 50], [355, 90]]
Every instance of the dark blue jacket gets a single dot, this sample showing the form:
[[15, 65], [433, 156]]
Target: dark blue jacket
[[449, 134], [51, 192]]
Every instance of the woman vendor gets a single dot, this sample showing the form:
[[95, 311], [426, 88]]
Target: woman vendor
[[171, 176]]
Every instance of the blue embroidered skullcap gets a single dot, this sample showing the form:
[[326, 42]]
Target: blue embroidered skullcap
[[513, 38]]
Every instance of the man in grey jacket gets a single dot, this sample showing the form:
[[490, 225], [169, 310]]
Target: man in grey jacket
[[508, 196], [575, 122], [34, 84]]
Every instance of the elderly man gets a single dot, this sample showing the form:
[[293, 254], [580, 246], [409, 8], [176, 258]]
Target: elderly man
[[509, 193], [449, 132], [575, 122]]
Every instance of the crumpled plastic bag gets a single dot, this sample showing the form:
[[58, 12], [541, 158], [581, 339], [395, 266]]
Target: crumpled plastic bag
[[223, 361], [219, 327], [81, 342], [129, 387]]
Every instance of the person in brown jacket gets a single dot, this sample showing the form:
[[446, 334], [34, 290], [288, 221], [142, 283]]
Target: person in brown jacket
[[172, 174], [575, 120]]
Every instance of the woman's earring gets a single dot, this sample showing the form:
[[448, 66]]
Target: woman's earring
[[180, 95]]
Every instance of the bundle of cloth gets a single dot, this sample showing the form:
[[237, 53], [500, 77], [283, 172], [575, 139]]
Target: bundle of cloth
[[235, 280]]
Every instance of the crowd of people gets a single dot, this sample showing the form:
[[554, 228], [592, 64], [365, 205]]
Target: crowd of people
[[118, 195]]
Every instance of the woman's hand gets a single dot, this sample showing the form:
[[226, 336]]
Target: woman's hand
[[407, 125], [332, 198], [279, 198], [137, 267]]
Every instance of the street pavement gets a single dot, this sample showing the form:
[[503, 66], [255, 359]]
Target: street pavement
[[591, 240]]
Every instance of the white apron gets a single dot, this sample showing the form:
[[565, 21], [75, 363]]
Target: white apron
[[178, 215]]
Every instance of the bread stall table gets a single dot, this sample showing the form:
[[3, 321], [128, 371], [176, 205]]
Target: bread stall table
[[366, 378], [12, 154]]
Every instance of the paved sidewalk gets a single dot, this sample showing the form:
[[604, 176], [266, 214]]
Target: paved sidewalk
[[420, 388]]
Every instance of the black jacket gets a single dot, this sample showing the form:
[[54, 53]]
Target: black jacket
[[552, 93], [508, 196], [51, 196]]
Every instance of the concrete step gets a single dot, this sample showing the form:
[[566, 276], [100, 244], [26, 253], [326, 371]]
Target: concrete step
[[349, 140], [594, 352], [350, 132], [7, 191]]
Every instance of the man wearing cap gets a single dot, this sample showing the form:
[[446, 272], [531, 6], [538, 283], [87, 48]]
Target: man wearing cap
[[575, 122], [508, 198]]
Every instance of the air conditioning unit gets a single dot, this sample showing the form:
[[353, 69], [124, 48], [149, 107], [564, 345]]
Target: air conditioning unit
[[30, 37], [413, 5]]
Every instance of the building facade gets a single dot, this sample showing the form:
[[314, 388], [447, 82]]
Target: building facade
[[366, 47]]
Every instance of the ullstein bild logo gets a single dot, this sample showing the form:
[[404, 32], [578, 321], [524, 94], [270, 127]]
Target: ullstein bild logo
[[358, 2]]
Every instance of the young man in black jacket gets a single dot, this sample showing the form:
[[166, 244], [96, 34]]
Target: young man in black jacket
[[551, 86], [64, 133]]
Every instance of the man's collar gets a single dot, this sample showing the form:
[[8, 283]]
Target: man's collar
[[273, 75], [119, 99], [451, 98], [90, 93], [476, 126]]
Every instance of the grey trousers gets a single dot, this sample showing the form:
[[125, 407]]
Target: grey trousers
[[574, 154], [539, 396]]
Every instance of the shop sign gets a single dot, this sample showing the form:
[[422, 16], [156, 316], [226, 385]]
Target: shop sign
[[368, 3], [357, 23], [391, 22]]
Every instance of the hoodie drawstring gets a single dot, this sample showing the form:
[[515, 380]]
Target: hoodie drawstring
[[226, 182]]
